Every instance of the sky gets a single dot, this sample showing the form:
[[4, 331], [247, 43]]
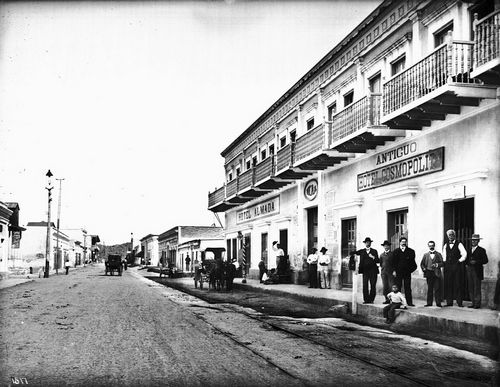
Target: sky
[[131, 103]]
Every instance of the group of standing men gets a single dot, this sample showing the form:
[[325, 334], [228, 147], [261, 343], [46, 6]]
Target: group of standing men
[[396, 267], [319, 269]]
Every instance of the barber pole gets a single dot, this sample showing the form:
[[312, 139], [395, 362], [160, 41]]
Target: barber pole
[[244, 260]]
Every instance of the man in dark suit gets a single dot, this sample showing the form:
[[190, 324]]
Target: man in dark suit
[[431, 265], [368, 267], [454, 255], [476, 258], [404, 264]]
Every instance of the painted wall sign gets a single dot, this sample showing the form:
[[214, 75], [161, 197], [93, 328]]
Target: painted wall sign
[[16, 239], [311, 189], [417, 165], [269, 207]]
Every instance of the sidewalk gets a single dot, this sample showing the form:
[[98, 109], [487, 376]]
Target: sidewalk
[[476, 324]]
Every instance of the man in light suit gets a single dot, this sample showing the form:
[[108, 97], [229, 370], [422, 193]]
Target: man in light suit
[[368, 267], [476, 258], [431, 265]]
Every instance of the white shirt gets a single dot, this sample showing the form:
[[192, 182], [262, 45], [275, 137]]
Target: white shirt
[[312, 258], [461, 248], [324, 259]]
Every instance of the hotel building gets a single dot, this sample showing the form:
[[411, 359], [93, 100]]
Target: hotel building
[[394, 132]]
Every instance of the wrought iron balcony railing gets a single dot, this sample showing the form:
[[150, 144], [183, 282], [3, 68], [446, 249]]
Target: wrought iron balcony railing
[[449, 63], [486, 38]]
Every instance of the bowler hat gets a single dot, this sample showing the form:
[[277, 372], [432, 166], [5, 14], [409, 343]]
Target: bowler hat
[[367, 239], [386, 243], [475, 236], [323, 250]]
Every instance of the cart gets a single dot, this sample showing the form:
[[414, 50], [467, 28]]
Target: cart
[[114, 263]]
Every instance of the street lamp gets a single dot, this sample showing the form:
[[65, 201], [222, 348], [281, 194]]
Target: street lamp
[[47, 244]]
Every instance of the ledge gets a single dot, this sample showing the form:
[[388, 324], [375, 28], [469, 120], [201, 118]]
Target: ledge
[[352, 203], [457, 178], [401, 191]]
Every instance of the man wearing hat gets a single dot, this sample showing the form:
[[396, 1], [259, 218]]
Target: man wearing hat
[[476, 258], [386, 270], [368, 267], [323, 266], [404, 264]]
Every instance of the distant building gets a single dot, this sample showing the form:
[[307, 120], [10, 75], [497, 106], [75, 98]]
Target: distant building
[[181, 242], [10, 236], [149, 245]]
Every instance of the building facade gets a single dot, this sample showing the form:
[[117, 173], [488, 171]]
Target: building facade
[[149, 244], [181, 242], [394, 132], [5, 241]]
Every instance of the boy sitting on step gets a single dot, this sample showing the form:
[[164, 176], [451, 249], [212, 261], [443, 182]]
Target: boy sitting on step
[[397, 301]]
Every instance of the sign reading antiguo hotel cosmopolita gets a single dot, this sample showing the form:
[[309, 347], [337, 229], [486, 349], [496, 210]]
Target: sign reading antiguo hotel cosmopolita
[[269, 207], [403, 168]]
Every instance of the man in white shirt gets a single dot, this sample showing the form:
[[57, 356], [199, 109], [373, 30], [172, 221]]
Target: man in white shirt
[[323, 266], [454, 255]]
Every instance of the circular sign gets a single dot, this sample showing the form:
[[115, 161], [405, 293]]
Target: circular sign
[[311, 189]]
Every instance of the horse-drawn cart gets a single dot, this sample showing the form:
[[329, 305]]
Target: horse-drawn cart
[[114, 263]]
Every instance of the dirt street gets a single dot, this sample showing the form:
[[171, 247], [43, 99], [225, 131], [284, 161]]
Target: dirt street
[[91, 329]]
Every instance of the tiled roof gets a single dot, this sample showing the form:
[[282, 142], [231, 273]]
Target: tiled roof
[[201, 232], [38, 224]]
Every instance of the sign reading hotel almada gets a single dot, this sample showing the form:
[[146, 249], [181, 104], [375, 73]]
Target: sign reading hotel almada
[[401, 163], [269, 207]]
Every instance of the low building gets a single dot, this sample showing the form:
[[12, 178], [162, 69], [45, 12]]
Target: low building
[[149, 245], [178, 244], [5, 214]]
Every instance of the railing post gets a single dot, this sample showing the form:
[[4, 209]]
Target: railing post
[[369, 107], [449, 57], [476, 41]]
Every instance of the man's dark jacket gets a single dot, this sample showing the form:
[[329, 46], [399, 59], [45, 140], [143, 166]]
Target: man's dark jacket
[[404, 261], [479, 255], [366, 264]]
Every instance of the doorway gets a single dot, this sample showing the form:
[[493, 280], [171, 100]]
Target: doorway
[[263, 247], [284, 240], [312, 228], [248, 251], [459, 216], [348, 245]]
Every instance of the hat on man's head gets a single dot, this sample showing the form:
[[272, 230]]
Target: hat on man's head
[[367, 239], [323, 250], [275, 243], [476, 237], [386, 243]]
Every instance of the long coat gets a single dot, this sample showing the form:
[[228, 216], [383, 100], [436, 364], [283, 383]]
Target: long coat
[[479, 255], [366, 264]]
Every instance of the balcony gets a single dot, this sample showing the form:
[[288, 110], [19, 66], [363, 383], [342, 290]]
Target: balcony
[[487, 48], [357, 128], [312, 151], [265, 175], [246, 186], [437, 85], [284, 164], [216, 200]]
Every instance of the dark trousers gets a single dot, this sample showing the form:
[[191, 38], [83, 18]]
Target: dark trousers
[[390, 310], [404, 280], [313, 276], [370, 279], [67, 270], [496, 297], [433, 288], [453, 283], [387, 282], [474, 285]]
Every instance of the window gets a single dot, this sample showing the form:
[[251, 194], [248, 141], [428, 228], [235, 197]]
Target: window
[[349, 98], [263, 154], [310, 124], [375, 83], [230, 176], [254, 161], [238, 171], [293, 135], [282, 141], [248, 165], [398, 65], [397, 226], [440, 36], [271, 149], [332, 109]]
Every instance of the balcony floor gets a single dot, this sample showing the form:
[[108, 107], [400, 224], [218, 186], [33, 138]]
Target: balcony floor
[[489, 72], [447, 99]]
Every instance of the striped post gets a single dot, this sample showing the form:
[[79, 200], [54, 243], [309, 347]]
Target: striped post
[[244, 260]]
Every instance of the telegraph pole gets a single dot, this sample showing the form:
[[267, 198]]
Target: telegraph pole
[[47, 245], [58, 220]]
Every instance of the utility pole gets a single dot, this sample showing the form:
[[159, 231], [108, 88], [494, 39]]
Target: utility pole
[[58, 220], [47, 245]]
